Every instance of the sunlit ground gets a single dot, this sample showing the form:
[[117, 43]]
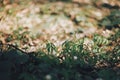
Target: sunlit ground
[[55, 21]]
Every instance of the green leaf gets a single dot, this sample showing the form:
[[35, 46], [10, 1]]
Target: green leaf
[[50, 47]]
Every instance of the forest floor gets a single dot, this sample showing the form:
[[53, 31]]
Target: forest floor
[[55, 21], [80, 37]]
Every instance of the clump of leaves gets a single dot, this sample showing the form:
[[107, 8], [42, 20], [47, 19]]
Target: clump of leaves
[[112, 20], [51, 48], [116, 36], [18, 36]]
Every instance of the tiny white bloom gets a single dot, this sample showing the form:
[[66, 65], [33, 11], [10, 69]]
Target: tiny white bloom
[[99, 79], [75, 57], [48, 77]]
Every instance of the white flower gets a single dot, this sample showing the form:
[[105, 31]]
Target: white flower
[[75, 57], [99, 79], [48, 77]]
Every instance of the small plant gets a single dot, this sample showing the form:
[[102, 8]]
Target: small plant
[[112, 20], [51, 48]]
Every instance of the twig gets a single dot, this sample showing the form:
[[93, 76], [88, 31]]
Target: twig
[[10, 45]]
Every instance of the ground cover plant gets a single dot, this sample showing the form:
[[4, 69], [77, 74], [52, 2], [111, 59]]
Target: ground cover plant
[[76, 61], [69, 40]]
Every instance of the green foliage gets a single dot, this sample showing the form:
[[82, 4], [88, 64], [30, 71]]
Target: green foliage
[[83, 59], [9, 38], [18, 37], [112, 20], [20, 34], [78, 60], [50, 48], [100, 40], [116, 36]]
